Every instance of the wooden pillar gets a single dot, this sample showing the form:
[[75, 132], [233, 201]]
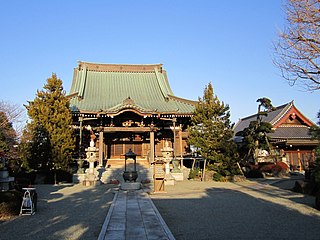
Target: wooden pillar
[[180, 145], [101, 148], [299, 160], [151, 145], [174, 120], [80, 135]]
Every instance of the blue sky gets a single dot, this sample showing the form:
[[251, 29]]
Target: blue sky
[[228, 43]]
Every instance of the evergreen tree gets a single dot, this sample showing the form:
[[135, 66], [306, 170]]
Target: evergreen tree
[[255, 136], [52, 137], [315, 132], [212, 135], [7, 139]]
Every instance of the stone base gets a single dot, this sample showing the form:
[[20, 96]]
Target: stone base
[[89, 183], [6, 183], [177, 176], [130, 186], [78, 177], [169, 180], [105, 176]]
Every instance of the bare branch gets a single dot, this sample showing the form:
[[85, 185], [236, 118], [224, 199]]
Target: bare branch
[[297, 54]]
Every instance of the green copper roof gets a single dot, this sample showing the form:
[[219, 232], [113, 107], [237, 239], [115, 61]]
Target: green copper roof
[[111, 88]]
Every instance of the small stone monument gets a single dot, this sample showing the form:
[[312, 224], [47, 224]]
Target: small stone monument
[[5, 180]]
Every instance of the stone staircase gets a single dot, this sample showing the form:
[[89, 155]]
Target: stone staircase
[[115, 168]]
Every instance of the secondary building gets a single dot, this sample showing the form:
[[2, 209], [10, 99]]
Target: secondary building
[[291, 134]]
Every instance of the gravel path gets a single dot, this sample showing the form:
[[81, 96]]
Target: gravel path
[[64, 212], [246, 210]]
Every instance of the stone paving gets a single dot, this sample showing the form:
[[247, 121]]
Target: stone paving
[[133, 215]]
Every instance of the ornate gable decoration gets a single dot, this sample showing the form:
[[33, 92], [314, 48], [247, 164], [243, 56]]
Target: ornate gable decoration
[[293, 117], [128, 103]]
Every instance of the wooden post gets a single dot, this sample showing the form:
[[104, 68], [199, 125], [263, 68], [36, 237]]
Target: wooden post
[[101, 148], [174, 120], [299, 160], [80, 135], [152, 146], [181, 148], [193, 163], [204, 170]]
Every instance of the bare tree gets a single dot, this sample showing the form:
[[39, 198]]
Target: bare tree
[[15, 115], [298, 49]]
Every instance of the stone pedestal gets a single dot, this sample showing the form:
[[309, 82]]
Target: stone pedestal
[[130, 186], [78, 177], [177, 176], [6, 182], [169, 180]]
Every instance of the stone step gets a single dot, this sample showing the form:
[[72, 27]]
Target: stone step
[[116, 163], [115, 172]]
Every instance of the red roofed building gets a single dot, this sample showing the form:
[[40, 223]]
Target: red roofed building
[[291, 134]]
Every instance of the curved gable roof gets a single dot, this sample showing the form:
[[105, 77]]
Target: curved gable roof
[[104, 87]]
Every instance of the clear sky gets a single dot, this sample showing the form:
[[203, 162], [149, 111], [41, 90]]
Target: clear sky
[[228, 43]]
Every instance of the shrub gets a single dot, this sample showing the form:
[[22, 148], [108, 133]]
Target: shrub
[[10, 203], [267, 167], [194, 173], [218, 177], [281, 169], [255, 173]]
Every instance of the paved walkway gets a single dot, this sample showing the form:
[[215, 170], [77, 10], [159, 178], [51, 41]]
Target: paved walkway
[[133, 215]]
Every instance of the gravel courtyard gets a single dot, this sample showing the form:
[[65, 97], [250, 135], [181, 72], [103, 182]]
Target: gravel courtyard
[[64, 212], [191, 209], [245, 210]]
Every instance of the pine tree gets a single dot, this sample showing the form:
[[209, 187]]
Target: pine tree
[[52, 137], [255, 136], [212, 135]]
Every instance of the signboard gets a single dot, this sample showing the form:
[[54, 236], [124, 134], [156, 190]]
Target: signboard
[[159, 171], [159, 175]]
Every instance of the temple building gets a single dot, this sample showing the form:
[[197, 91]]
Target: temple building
[[126, 106], [291, 136]]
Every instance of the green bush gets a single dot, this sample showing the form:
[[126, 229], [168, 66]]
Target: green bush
[[194, 173], [218, 177]]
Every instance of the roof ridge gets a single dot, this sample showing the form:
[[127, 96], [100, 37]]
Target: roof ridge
[[286, 108], [163, 89], [113, 67], [276, 108], [183, 100], [293, 125]]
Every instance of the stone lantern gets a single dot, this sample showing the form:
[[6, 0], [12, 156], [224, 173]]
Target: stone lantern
[[130, 175], [91, 178], [167, 155]]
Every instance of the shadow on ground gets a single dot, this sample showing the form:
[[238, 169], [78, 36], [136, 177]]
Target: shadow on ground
[[64, 212], [238, 211]]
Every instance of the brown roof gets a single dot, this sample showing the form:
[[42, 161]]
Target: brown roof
[[285, 132], [102, 67], [288, 123]]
